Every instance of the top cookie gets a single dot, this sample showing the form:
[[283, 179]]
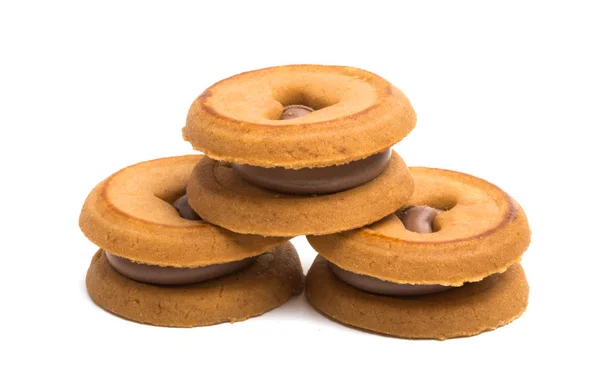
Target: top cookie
[[480, 231], [357, 114]]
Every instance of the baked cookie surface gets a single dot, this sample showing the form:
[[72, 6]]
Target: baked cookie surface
[[465, 311], [480, 231], [130, 214], [357, 114], [266, 284], [222, 197]]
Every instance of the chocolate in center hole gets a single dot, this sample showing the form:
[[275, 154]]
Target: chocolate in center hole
[[295, 111], [419, 219], [183, 207]]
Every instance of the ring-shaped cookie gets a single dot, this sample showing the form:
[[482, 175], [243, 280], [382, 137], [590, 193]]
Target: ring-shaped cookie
[[464, 311], [358, 114], [130, 215], [266, 284], [222, 197], [482, 232]]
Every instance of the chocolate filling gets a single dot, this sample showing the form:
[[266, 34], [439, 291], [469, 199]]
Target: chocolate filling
[[419, 219], [381, 287], [316, 181], [173, 275], [183, 208], [295, 111]]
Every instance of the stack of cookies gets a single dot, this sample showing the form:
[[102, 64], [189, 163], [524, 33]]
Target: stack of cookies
[[161, 264], [445, 265], [306, 150], [299, 150]]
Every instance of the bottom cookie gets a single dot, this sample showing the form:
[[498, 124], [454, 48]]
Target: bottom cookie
[[263, 286], [465, 311]]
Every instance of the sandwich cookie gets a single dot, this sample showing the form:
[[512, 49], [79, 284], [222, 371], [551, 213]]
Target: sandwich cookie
[[298, 149], [444, 266], [161, 264]]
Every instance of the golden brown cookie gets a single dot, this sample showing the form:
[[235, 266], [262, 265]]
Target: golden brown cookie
[[265, 285], [358, 114], [481, 231], [219, 195], [465, 311], [131, 215]]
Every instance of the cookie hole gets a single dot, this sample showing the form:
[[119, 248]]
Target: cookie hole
[[171, 196], [421, 217], [422, 226], [314, 98]]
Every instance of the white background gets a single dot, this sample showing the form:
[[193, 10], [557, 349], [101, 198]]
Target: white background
[[508, 92]]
